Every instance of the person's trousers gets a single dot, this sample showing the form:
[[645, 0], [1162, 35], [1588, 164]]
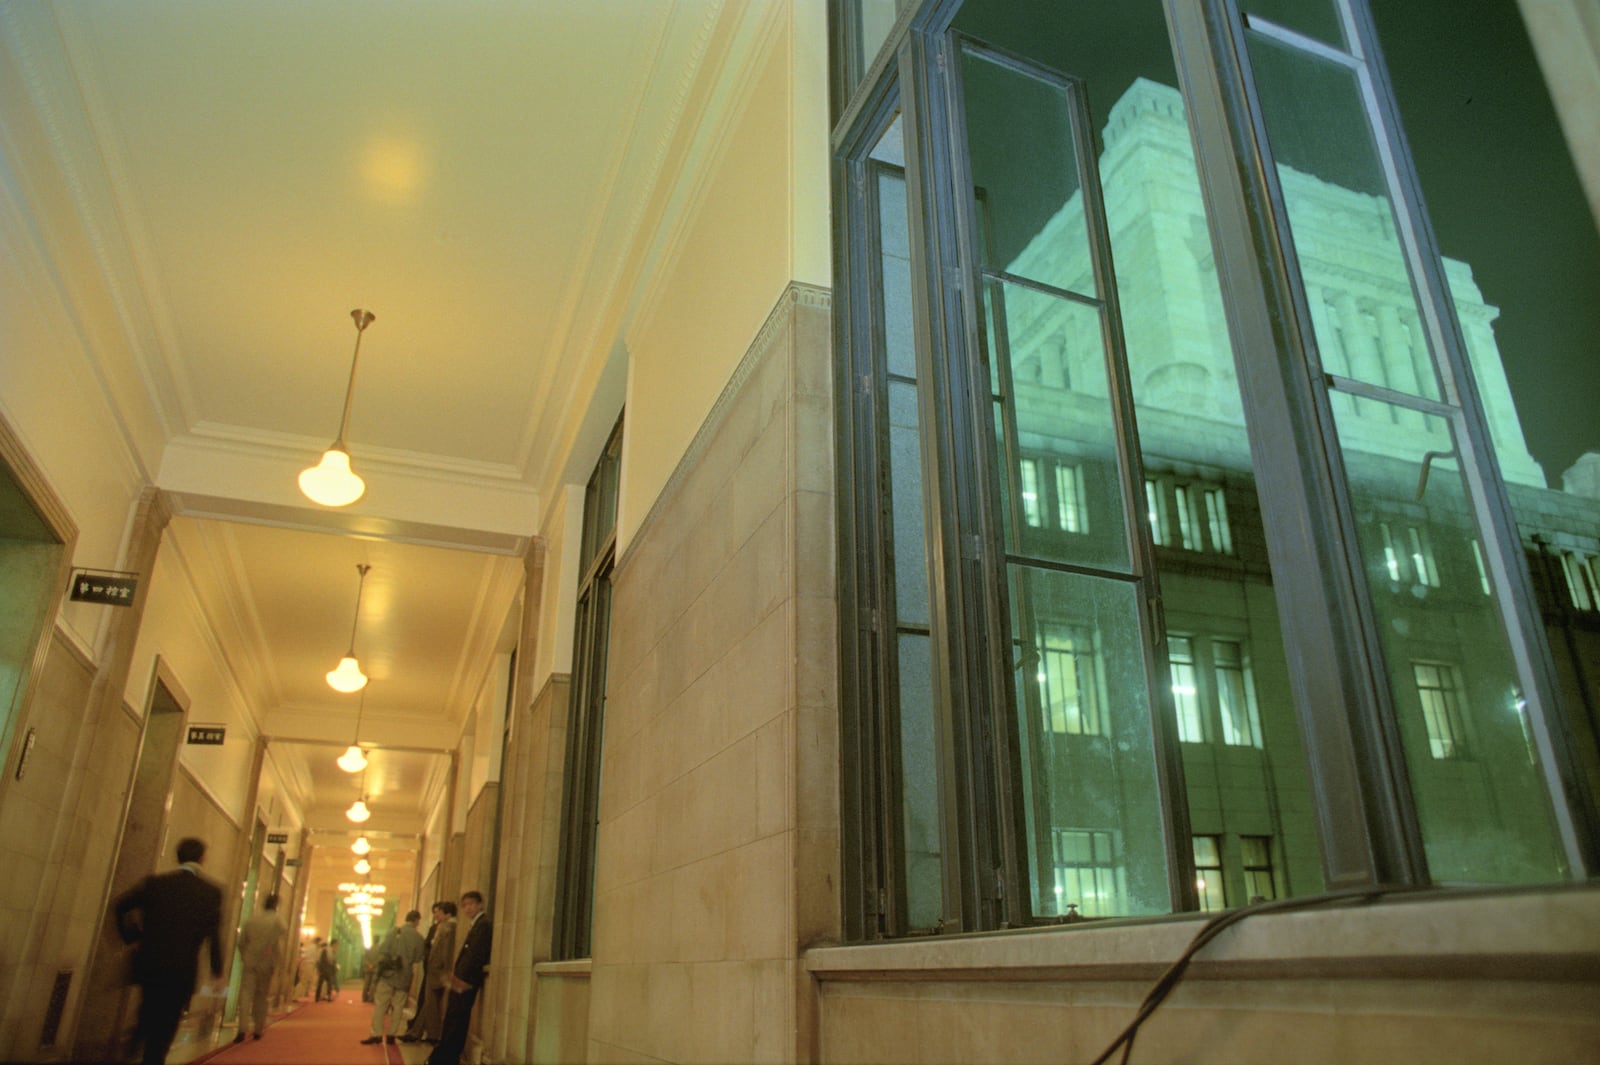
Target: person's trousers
[[324, 982], [161, 1006], [391, 1001], [253, 987], [430, 1013], [457, 1019]]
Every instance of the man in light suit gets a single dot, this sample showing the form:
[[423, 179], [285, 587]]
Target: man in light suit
[[436, 975], [466, 980], [169, 916], [260, 950]]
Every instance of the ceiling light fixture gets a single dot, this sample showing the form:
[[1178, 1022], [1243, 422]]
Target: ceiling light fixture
[[361, 846], [347, 677], [358, 811], [363, 867], [331, 482], [354, 759]]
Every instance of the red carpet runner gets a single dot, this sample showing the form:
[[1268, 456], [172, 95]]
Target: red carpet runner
[[315, 1033]]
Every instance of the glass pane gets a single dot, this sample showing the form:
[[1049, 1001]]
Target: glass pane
[[872, 20], [905, 471], [1025, 173], [1185, 389], [1479, 790], [1363, 311], [1057, 366], [1089, 755], [919, 774], [1517, 235], [1317, 19]]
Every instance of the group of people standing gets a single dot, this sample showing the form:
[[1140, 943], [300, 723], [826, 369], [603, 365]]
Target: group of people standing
[[170, 916]]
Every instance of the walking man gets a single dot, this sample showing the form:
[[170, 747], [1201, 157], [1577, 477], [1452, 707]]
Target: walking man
[[260, 950], [465, 981], [328, 970], [168, 917], [393, 966]]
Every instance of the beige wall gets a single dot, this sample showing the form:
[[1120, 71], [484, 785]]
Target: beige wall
[[718, 824]]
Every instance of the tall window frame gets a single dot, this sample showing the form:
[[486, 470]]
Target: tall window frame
[[580, 788], [1366, 814]]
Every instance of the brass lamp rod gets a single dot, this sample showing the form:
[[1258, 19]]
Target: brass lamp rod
[[362, 319]]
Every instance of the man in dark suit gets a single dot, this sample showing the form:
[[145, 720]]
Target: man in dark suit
[[475, 934], [169, 916]]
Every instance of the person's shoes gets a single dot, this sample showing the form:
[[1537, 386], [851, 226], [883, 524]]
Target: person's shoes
[[409, 1039], [240, 1038], [256, 1036], [371, 1039]]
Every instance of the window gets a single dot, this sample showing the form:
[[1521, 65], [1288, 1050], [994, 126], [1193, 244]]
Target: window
[[1208, 883], [1440, 694], [1087, 878], [1256, 861], [1002, 384], [1071, 512], [1241, 725], [1186, 690], [1069, 688], [580, 801], [1227, 708]]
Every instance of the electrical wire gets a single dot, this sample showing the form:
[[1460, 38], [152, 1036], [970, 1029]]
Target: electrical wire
[[1211, 930]]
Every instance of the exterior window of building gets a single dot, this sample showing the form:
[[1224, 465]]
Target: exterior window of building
[[580, 802], [1255, 858], [1216, 505], [1087, 878], [1186, 690], [1032, 505], [1440, 694], [1001, 384], [1208, 883], [1071, 511], [1236, 705], [1155, 504], [1069, 689]]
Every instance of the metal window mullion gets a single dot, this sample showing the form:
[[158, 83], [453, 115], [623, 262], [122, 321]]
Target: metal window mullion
[[955, 491]]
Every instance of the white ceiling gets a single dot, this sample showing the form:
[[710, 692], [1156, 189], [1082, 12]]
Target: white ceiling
[[486, 176]]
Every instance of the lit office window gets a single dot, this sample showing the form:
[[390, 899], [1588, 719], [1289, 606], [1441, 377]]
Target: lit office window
[[1422, 567], [1087, 876], [1216, 505], [1185, 690], [1241, 725], [1071, 512], [1391, 552], [1188, 531], [1255, 858], [1156, 510], [1068, 687], [1483, 574], [1208, 873], [1440, 693], [1032, 512]]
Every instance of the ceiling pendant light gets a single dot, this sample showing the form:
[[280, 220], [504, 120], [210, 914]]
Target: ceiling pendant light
[[361, 846], [354, 759], [363, 867], [358, 811], [347, 677], [331, 481]]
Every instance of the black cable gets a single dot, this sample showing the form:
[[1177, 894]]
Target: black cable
[[1213, 928]]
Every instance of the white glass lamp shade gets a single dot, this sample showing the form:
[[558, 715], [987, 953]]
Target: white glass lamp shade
[[363, 867], [361, 846], [358, 811], [353, 760], [330, 482], [347, 677]]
